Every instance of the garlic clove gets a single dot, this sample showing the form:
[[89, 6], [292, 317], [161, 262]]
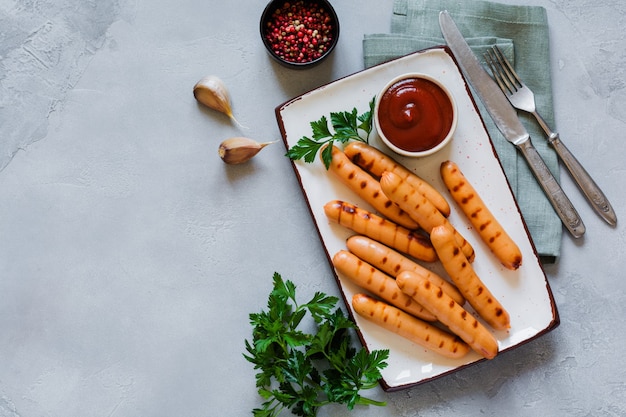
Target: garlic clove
[[212, 92], [238, 150]]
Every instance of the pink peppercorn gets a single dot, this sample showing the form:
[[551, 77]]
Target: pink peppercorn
[[299, 31]]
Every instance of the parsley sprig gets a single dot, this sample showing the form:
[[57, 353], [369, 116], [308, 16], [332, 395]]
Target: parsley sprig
[[303, 371], [346, 126]]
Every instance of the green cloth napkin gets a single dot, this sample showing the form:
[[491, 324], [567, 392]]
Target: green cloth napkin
[[522, 33]]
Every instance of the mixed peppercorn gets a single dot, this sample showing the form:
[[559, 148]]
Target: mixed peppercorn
[[300, 31]]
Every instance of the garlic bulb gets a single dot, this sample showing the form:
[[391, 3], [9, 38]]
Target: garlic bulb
[[211, 91], [238, 150]]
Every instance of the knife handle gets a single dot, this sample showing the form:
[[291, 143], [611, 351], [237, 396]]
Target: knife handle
[[561, 203], [587, 185]]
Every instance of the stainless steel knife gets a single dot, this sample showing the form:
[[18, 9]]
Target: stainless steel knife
[[506, 119]]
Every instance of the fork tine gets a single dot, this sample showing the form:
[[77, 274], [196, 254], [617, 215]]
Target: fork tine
[[507, 65], [502, 82]]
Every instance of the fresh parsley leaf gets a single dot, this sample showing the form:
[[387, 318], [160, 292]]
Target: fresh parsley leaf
[[300, 371], [306, 149], [367, 118], [321, 305], [320, 128], [346, 126]]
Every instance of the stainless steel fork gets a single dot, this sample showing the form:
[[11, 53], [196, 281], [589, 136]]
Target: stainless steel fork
[[522, 98]]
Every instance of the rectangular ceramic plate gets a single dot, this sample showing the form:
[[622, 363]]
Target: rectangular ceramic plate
[[525, 293]]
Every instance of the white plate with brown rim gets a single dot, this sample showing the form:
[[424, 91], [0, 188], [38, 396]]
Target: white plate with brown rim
[[525, 293]]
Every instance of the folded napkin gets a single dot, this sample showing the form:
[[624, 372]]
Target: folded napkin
[[522, 34]]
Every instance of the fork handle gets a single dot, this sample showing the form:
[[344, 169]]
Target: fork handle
[[559, 200], [587, 185]]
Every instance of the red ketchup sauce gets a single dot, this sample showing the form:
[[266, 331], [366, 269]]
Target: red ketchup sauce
[[415, 114]]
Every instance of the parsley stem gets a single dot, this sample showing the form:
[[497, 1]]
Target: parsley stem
[[369, 401]]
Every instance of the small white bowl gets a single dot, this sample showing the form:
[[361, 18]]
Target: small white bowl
[[422, 118]]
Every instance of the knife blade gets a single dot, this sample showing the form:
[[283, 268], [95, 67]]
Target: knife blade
[[506, 119]]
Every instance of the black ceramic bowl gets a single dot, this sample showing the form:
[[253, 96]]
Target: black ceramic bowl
[[299, 33]]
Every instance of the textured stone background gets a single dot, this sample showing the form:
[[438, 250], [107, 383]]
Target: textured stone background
[[45, 47]]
